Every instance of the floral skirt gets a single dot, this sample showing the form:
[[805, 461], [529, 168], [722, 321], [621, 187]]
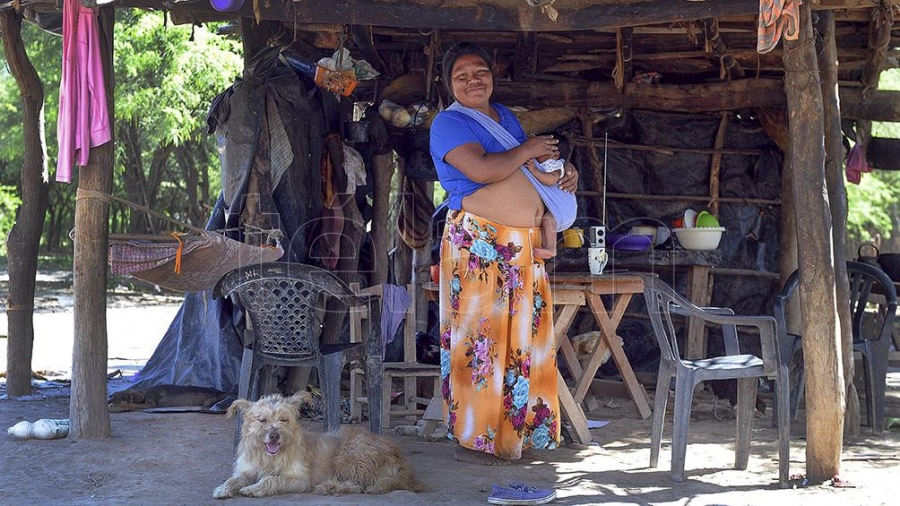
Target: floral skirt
[[498, 355]]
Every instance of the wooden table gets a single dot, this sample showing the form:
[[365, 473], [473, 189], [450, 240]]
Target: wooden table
[[570, 292], [697, 264]]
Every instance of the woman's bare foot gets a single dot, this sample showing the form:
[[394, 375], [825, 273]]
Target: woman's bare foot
[[475, 457], [545, 253]]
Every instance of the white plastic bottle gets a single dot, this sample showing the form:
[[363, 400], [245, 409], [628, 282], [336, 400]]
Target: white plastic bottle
[[45, 428]]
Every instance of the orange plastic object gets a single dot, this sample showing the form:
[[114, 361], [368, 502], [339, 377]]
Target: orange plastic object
[[342, 82]]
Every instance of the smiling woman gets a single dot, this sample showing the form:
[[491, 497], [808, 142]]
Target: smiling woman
[[498, 364]]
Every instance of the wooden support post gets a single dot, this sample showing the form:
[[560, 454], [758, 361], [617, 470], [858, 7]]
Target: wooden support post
[[824, 378], [715, 170], [422, 273], [382, 173], [595, 174], [88, 414], [837, 197], [699, 291]]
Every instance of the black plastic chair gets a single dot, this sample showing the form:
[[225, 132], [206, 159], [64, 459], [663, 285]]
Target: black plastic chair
[[283, 302], [663, 303], [873, 303]]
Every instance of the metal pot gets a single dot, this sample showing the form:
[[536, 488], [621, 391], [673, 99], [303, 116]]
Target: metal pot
[[888, 262], [868, 254], [357, 131]]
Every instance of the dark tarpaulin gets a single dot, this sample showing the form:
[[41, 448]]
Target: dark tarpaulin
[[202, 346], [752, 236]]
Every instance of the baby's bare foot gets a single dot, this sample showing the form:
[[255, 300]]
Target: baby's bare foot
[[545, 253], [475, 457]]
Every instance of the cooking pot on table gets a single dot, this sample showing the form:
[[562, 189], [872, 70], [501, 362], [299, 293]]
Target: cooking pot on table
[[888, 262]]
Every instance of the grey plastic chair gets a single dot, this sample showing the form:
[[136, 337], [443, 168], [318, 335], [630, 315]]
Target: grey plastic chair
[[282, 301], [664, 303], [873, 304]]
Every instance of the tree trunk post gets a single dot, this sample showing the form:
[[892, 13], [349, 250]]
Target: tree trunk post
[[837, 196], [382, 174], [821, 340], [89, 417], [25, 237]]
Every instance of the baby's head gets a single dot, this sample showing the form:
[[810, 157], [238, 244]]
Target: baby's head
[[554, 156]]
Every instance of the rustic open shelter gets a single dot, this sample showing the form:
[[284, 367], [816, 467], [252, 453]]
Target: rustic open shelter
[[804, 81]]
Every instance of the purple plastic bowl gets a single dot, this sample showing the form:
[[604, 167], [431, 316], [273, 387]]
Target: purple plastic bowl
[[628, 242], [226, 5]]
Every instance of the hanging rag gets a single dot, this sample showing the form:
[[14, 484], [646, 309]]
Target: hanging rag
[[561, 204], [326, 242], [857, 164], [395, 300], [777, 19], [355, 168], [414, 217], [83, 119]]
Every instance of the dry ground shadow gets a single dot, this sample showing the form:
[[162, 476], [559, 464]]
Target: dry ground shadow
[[156, 458]]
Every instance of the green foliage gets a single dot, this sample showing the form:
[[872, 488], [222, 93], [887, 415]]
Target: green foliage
[[872, 205], [165, 80], [9, 202], [868, 206], [44, 50], [166, 77]]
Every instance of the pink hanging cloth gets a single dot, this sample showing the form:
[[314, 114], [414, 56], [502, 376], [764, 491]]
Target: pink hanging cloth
[[83, 121], [777, 19]]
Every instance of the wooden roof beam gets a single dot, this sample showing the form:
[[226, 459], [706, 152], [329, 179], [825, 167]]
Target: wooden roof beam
[[489, 15], [726, 96], [879, 43]]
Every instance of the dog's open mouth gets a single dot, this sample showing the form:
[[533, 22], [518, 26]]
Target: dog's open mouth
[[272, 441]]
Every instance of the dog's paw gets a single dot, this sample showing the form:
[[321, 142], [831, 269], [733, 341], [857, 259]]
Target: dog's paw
[[334, 487], [254, 490], [223, 492], [323, 489]]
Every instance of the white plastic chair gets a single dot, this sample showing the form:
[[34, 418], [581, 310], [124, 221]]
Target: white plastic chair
[[663, 303]]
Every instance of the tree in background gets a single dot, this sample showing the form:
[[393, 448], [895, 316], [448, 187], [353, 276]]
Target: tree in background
[[166, 78], [874, 204], [24, 237]]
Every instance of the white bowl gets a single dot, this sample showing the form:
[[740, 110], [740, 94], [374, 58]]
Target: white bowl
[[704, 238]]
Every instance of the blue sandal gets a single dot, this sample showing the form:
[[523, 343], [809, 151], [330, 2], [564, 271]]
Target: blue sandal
[[520, 494]]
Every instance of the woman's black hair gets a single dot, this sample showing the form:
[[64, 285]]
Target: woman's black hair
[[453, 54]]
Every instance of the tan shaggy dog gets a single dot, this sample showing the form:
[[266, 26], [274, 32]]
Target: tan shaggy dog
[[278, 456]]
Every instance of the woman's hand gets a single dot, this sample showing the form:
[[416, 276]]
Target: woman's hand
[[541, 147], [569, 180]]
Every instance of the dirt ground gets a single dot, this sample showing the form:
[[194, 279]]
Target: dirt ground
[[179, 458]]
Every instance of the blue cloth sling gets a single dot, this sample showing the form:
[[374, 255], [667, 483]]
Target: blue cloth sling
[[561, 204]]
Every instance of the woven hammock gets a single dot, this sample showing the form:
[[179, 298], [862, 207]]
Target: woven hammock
[[199, 264], [191, 262]]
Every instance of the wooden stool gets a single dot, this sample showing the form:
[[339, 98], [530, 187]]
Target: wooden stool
[[411, 405]]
